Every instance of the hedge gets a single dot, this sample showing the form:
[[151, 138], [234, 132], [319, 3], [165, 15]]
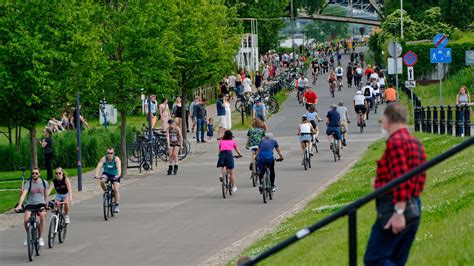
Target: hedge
[[94, 143]]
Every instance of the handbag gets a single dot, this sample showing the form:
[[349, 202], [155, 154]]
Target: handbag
[[385, 210]]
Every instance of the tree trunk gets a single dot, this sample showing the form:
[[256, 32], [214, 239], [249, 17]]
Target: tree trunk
[[10, 134], [123, 145], [18, 137], [33, 148]]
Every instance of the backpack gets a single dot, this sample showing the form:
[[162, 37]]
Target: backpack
[[367, 91], [339, 71]]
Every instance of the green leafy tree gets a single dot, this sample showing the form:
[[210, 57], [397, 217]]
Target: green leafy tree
[[38, 40], [209, 37], [138, 42], [431, 24], [391, 26]]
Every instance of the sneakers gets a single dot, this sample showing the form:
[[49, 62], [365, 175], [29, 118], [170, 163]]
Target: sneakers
[[116, 210], [260, 188], [221, 178], [274, 188], [66, 219], [234, 189], [175, 169], [311, 154], [344, 142], [41, 242]]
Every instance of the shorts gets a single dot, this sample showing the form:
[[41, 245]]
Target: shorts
[[261, 117], [226, 159], [360, 108], [62, 197], [339, 77], [305, 137], [112, 178], [35, 206], [336, 130], [344, 126], [307, 105], [220, 121]]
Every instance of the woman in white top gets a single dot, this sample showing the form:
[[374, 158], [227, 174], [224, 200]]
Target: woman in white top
[[227, 120], [305, 131], [381, 81], [247, 82]]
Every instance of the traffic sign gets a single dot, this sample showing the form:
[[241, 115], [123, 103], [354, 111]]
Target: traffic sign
[[411, 73], [395, 67], [410, 58], [394, 49], [470, 57], [410, 84], [440, 55], [440, 40]]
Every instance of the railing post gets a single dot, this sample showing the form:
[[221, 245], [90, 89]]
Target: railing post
[[417, 119], [423, 119], [352, 237], [467, 121], [458, 120], [435, 120], [450, 120], [442, 120], [429, 122]]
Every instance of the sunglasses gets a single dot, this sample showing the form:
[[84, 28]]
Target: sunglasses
[[58, 173], [35, 173], [110, 152]]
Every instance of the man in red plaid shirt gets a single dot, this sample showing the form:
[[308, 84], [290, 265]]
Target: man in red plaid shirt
[[389, 243]]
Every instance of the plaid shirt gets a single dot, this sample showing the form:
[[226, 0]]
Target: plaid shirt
[[403, 153]]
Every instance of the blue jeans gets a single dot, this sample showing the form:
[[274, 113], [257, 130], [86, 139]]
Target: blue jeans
[[385, 248], [201, 123]]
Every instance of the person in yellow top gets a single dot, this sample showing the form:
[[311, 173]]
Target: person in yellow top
[[390, 94]]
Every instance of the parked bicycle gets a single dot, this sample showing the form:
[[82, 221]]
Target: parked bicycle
[[57, 223]]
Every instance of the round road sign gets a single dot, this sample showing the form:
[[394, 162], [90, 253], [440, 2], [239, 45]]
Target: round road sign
[[394, 49], [410, 58], [440, 40]]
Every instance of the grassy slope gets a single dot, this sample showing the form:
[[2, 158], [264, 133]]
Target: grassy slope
[[445, 235]]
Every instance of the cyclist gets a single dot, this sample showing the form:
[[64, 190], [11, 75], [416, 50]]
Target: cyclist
[[360, 105], [254, 135], [174, 140], [345, 121], [302, 84], [368, 92], [226, 157], [36, 189], [311, 98], [111, 168], [390, 94], [62, 185], [265, 158], [315, 70], [332, 79], [305, 131], [333, 122], [313, 116], [339, 74]]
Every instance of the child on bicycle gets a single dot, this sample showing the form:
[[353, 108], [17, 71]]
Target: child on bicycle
[[226, 157], [62, 184]]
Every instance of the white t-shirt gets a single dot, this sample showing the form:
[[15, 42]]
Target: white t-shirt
[[342, 113], [232, 81], [371, 91], [339, 71], [303, 82], [382, 81], [305, 128], [247, 85], [374, 76], [359, 71], [359, 99]]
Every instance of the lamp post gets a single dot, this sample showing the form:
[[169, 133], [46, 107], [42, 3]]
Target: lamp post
[[292, 32], [401, 19]]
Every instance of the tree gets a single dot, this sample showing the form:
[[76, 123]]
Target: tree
[[321, 30], [138, 42], [209, 37], [431, 24], [37, 44], [391, 27]]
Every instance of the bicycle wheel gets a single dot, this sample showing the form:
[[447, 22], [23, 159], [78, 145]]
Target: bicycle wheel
[[229, 184], [269, 186], [36, 239], [254, 174], [309, 157], [305, 160], [273, 106], [315, 147], [264, 190], [30, 241], [105, 205], [184, 152], [334, 150], [238, 105], [52, 231], [63, 229], [111, 203], [224, 189]]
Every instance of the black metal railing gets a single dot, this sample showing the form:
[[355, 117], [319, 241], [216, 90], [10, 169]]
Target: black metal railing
[[451, 120], [351, 209]]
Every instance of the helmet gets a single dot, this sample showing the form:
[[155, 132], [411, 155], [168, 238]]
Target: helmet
[[333, 106], [304, 117], [359, 92]]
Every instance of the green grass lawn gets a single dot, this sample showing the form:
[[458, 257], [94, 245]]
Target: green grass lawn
[[429, 94], [445, 234]]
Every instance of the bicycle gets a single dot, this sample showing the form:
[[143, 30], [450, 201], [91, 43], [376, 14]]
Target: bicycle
[[226, 183], [32, 233], [57, 223], [253, 166], [332, 88], [339, 84], [335, 147], [360, 121], [108, 204], [306, 156], [267, 189]]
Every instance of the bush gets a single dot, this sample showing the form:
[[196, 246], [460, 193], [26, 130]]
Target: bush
[[94, 142]]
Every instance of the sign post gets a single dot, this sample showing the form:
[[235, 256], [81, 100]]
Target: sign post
[[395, 50], [410, 59], [440, 55]]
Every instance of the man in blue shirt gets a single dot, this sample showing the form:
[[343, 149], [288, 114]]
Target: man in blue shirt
[[265, 158], [259, 110], [220, 116], [333, 122]]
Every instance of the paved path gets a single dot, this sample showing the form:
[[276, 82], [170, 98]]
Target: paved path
[[183, 220]]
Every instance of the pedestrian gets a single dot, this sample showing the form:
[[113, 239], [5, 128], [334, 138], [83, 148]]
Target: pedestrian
[[201, 114], [463, 98], [164, 113], [228, 114], [238, 86], [175, 144], [398, 211], [177, 111], [221, 113], [258, 80], [192, 112], [210, 129], [47, 145], [232, 80], [152, 110]]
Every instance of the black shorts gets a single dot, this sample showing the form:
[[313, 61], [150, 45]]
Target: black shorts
[[360, 108], [226, 159], [339, 77], [111, 178], [35, 206]]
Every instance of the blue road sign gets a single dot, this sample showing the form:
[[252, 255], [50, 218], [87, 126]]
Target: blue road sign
[[440, 55], [440, 40], [410, 58]]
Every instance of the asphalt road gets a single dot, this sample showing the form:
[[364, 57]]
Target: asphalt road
[[183, 219]]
